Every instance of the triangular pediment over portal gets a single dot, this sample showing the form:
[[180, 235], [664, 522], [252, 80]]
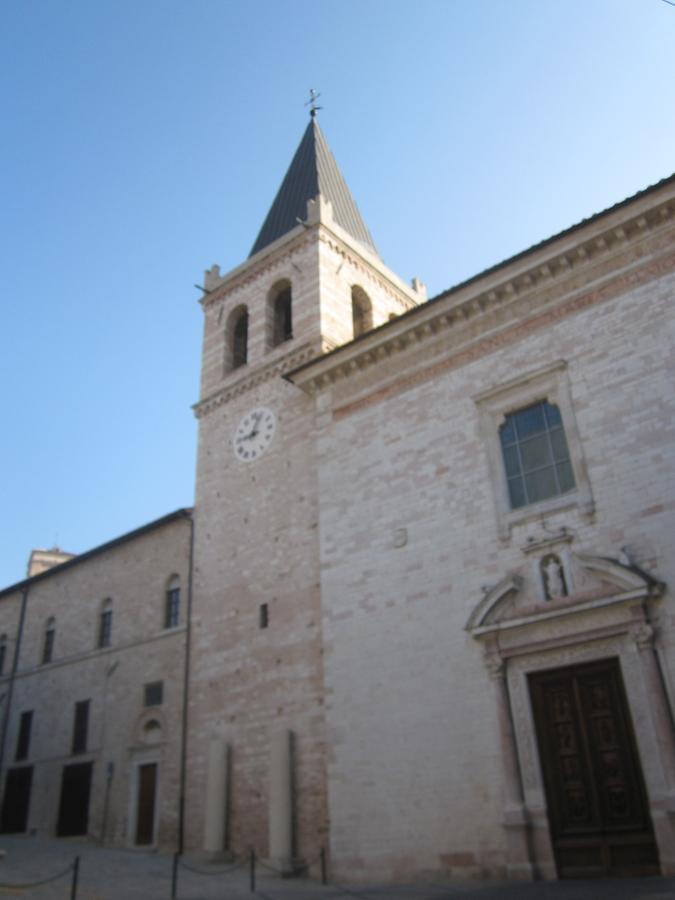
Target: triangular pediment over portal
[[557, 582]]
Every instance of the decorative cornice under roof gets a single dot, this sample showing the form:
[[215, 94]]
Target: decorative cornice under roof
[[526, 283], [78, 559]]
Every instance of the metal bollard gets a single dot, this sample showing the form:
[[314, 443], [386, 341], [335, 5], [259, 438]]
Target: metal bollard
[[76, 875], [174, 876], [252, 870]]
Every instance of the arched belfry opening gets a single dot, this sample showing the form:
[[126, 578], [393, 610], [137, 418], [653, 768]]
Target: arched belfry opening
[[362, 311], [236, 339], [280, 313]]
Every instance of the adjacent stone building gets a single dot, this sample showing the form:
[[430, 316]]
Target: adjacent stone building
[[431, 587], [92, 682]]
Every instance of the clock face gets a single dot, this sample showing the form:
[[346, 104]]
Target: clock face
[[254, 434]]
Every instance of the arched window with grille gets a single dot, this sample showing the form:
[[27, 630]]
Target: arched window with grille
[[238, 338], [172, 603], [48, 644], [362, 311], [280, 313]]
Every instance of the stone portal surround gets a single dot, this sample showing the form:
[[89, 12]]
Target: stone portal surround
[[529, 848]]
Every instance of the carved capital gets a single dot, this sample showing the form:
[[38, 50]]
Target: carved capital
[[643, 635], [495, 666]]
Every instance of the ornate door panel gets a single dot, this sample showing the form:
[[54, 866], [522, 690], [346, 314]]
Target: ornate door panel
[[597, 805]]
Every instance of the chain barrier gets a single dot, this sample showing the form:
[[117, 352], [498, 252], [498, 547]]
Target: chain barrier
[[271, 868], [296, 869], [343, 891], [29, 885], [252, 862], [340, 890], [227, 871], [179, 863]]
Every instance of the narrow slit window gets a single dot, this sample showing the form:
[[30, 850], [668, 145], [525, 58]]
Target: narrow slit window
[[283, 317], [264, 617], [105, 625], [80, 726], [23, 739], [240, 341], [172, 604], [48, 646]]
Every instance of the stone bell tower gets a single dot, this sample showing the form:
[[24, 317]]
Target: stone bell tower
[[257, 745]]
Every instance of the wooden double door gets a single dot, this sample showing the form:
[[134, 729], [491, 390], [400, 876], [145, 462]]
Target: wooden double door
[[597, 804]]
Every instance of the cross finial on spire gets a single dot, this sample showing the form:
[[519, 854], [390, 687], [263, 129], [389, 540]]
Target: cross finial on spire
[[313, 97]]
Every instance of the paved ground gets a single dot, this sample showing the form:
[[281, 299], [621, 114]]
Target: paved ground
[[129, 875]]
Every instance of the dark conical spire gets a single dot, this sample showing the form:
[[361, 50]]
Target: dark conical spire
[[312, 171]]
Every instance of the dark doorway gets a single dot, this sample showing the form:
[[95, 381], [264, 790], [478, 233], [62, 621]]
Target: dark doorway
[[14, 816], [74, 805], [597, 804], [145, 812]]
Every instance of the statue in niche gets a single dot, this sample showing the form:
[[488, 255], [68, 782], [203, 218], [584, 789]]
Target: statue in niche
[[553, 577]]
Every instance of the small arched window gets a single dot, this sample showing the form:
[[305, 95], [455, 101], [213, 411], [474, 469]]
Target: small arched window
[[172, 603], [3, 652], [239, 342], [48, 645], [281, 309], [105, 624], [362, 311]]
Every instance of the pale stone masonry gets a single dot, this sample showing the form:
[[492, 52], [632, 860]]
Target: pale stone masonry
[[122, 733], [432, 628], [41, 560]]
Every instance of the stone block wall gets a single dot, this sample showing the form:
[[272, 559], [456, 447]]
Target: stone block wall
[[133, 572], [410, 541]]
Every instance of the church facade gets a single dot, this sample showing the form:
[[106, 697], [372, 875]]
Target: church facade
[[426, 613]]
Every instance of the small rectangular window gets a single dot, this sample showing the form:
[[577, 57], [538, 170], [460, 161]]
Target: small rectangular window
[[264, 615], [23, 740], [154, 693], [81, 726], [3, 653]]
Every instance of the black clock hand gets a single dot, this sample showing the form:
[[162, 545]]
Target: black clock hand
[[257, 418]]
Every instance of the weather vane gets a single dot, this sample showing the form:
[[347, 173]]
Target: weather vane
[[313, 97]]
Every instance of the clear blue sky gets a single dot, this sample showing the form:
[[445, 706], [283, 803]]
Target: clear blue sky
[[144, 141]]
